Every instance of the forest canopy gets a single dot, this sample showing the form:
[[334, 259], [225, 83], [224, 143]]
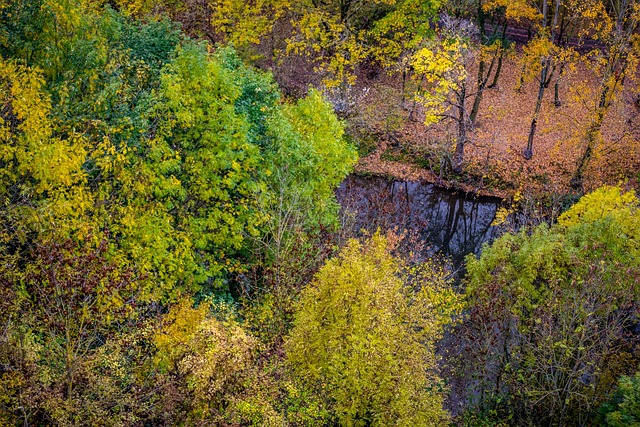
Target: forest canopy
[[173, 250]]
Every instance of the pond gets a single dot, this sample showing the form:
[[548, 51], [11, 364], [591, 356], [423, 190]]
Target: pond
[[453, 224]]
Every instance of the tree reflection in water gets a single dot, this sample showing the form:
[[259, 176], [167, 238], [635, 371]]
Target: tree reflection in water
[[453, 223]]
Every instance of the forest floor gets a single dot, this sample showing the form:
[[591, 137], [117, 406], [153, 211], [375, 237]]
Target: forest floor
[[394, 142], [404, 148]]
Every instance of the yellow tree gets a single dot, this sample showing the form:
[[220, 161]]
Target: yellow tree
[[615, 22], [249, 23], [332, 32], [396, 37], [542, 50], [246, 22], [210, 360], [442, 66], [42, 179], [364, 337], [337, 35], [340, 35], [548, 54]]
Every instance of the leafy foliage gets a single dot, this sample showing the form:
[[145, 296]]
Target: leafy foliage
[[159, 166], [556, 305], [625, 412], [442, 66], [363, 338], [67, 300], [165, 209]]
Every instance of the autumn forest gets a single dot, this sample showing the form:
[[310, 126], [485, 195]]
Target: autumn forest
[[319, 213]]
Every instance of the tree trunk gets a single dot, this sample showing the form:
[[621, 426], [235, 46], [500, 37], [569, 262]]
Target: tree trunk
[[404, 86], [481, 67], [528, 152], [498, 69], [546, 72], [503, 40], [592, 137], [576, 180], [478, 97], [556, 94], [611, 82], [482, 83], [462, 131]]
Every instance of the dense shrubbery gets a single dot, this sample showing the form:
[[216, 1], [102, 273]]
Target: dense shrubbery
[[624, 409]]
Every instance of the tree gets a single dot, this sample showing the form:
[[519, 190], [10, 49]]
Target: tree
[[74, 169], [211, 370], [208, 361], [625, 410], [493, 45], [202, 164], [37, 165], [246, 23], [543, 50], [616, 23], [364, 337], [397, 36], [304, 158], [341, 35], [549, 54], [68, 301], [550, 310], [442, 65]]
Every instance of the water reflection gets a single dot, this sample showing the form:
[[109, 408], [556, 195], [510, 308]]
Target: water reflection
[[452, 223]]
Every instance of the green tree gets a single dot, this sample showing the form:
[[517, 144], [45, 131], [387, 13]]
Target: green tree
[[304, 158], [549, 311], [152, 159]]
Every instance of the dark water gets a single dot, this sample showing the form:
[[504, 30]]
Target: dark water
[[452, 223]]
